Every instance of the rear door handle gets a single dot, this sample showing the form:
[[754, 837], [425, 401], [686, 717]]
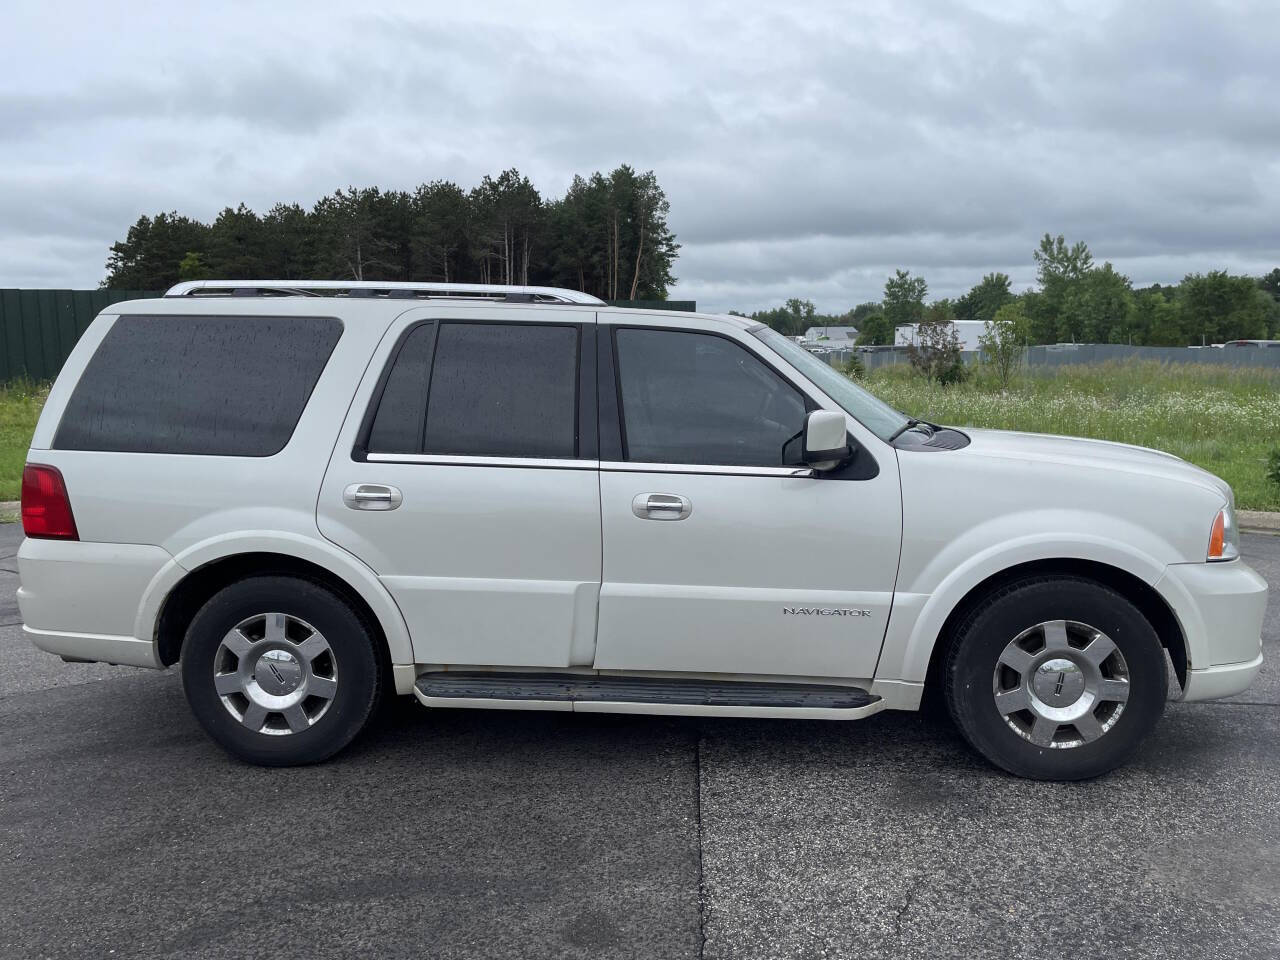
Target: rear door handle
[[372, 496], [661, 506]]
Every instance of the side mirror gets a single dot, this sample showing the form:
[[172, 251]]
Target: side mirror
[[826, 439]]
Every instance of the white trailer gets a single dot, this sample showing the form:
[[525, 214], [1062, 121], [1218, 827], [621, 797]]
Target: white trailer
[[968, 330]]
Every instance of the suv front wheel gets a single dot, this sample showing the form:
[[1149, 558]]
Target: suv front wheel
[[280, 670], [1056, 678]]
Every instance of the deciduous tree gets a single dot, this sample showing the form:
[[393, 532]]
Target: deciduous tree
[[1096, 307], [1004, 339], [1271, 283], [1216, 307], [791, 319], [1156, 321], [1059, 269], [904, 299], [985, 298]]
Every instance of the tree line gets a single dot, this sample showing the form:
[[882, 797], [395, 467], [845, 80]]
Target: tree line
[[606, 236], [1075, 301]]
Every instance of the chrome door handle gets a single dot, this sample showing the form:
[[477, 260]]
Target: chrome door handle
[[372, 496], [661, 506]]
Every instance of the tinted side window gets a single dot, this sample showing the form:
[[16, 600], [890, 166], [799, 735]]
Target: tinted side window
[[698, 398], [397, 426], [504, 390], [220, 386]]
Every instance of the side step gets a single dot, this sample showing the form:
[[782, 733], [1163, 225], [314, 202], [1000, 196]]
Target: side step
[[593, 688]]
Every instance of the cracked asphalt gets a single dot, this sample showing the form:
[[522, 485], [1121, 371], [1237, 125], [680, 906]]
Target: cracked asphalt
[[124, 832]]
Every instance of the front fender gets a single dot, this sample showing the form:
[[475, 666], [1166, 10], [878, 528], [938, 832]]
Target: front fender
[[926, 597]]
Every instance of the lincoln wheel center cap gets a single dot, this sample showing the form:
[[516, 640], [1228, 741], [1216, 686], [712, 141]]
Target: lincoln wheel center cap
[[1058, 682], [278, 672]]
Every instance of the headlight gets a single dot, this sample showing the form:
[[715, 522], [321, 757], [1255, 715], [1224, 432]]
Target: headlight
[[1224, 539]]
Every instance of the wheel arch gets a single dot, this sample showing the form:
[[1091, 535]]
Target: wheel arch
[[195, 575], [1133, 588]]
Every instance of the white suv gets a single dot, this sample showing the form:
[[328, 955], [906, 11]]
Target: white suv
[[306, 493]]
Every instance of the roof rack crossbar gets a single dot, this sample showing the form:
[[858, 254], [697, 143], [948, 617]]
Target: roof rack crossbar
[[379, 288]]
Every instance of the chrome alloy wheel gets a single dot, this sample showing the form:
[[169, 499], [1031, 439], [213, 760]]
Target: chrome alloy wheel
[[275, 673], [1061, 684]]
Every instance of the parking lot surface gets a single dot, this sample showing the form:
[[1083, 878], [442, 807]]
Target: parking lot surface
[[125, 832]]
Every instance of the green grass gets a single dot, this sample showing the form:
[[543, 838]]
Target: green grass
[[1224, 419], [20, 404]]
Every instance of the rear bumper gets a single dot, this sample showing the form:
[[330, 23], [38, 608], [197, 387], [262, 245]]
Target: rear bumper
[[81, 600], [1220, 607], [100, 648]]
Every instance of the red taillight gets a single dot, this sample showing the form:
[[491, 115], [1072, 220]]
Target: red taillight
[[46, 508]]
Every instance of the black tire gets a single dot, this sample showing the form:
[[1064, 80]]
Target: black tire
[[985, 632], [358, 666]]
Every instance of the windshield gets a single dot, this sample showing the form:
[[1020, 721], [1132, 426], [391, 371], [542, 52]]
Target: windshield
[[872, 412]]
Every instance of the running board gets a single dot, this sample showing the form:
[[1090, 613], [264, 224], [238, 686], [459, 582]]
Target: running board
[[594, 693]]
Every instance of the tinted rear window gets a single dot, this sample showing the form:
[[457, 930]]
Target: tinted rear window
[[481, 389], [504, 390], [219, 386]]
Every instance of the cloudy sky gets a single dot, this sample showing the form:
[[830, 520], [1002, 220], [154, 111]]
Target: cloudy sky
[[807, 149]]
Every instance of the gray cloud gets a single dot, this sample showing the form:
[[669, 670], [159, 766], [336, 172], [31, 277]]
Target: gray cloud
[[807, 149]]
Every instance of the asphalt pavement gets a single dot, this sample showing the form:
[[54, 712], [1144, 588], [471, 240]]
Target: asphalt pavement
[[125, 832]]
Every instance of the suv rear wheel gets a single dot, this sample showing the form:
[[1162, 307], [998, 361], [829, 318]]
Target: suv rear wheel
[[280, 670], [1056, 678]]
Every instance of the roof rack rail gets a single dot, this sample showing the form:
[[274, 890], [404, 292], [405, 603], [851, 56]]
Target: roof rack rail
[[386, 289]]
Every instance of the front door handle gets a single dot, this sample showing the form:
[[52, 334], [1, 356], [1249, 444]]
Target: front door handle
[[372, 496], [661, 506]]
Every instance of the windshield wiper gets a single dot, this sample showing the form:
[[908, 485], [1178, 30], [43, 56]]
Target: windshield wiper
[[930, 428], [911, 422]]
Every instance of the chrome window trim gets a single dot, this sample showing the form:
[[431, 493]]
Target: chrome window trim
[[632, 466], [636, 466], [451, 460]]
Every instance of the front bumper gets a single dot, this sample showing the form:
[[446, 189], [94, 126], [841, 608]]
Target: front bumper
[[1210, 683], [1220, 607]]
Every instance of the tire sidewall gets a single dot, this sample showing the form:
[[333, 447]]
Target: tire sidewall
[[351, 643], [986, 634]]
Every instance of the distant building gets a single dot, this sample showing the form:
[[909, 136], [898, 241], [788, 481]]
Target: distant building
[[832, 336]]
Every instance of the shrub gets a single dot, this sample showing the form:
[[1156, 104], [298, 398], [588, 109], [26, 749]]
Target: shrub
[[1002, 342], [855, 368], [952, 371], [936, 353], [1273, 466]]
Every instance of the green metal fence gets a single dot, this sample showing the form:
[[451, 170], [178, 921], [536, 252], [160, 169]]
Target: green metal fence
[[38, 328]]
